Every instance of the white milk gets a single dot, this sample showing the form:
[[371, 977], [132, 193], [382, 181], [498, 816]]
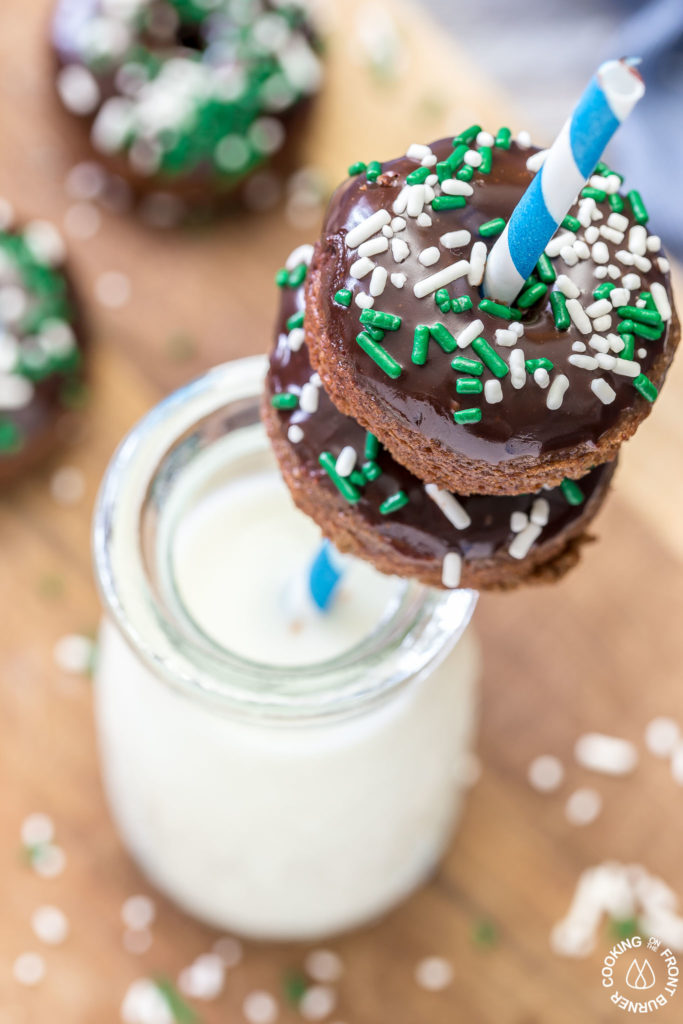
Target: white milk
[[275, 801]]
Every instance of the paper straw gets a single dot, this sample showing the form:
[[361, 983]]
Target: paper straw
[[325, 575], [610, 97]]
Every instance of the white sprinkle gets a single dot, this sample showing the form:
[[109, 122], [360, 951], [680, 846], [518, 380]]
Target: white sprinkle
[[558, 242], [662, 735], [578, 315], [37, 829], [50, 925], [541, 377], [602, 324], [82, 220], [610, 755], [373, 246], [618, 222], [441, 279], [546, 773], [302, 254], [591, 234], [615, 343], [78, 89], [523, 139], [625, 257], [583, 806], [522, 543], [677, 764], [505, 338], [29, 969], [15, 392], [450, 506], [204, 978], [428, 257], [324, 966], [654, 243], [136, 943], [67, 485], [626, 367], [585, 212], [517, 368], [600, 252], [295, 433], [556, 391], [388, 231], [663, 264], [641, 353], [399, 250], [433, 974], [661, 300], [473, 158], [578, 346], [536, 160], [364, 301], [398, 224], [309, 398], [469, 333], [581, 249], [424, 220], [637, 240], [611, 184], [74, 654], [417, 151], [517, 328], [485, 139], [569, 256], [518, 521], [583, 362], [85, 181], [144, 1003], [416, 200], [378, 281], [295, 339], [567, 287], [599, 308], [611, 234], [643, 264], [346, 461], [478, 257], [602, 390], [619, 297], [367, 228], [362, 267], [599, 344], [138, 912], [398, 280], [113, 289], [455, 239], [229, 950], [48, 861], [260, 1008], [45, 242], [454, 187], [600, 273], [631, 281], [596, 181], [493, 392], [317, 1002], [540, 512], [6, 214]]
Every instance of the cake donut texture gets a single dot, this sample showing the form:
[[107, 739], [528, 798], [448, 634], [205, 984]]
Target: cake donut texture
[[472, 395], [41, 343], [372, 507], [185, 95]]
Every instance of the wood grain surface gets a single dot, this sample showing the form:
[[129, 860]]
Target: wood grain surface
[[601, 651]]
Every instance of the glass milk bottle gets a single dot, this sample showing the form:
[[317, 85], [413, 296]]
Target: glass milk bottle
[[276, 771]]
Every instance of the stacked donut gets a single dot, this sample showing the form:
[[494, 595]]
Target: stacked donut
[[432, 430]]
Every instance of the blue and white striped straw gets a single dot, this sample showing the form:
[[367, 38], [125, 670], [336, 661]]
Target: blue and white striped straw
[[610, 97], [325, 575]]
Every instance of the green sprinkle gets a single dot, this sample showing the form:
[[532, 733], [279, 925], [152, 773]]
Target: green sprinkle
[[503, 138], [467, 416], [286, 400], [462, 304], [373, 170], [447, 202], [616, 202], [51, 586], [641, 329], [490, 358], [604, 290], [532, 295], [379, 355], [645, 387], [485, 933], [445, 307], [538, 364], [295, 320], [418, 176], [372, 446], [648, 300], [343, 296], [375, 333], [443, 170], [441, 295], [558, 304], [624, 928], [342, 483], [297, 276], [629, 348], [499, 309], [394, 503], [357, 168], [181, 346], [456, 157], [282, 277], [594, 193], [10, 436], [638, 206], [572, 492], [357, 477], [465, 173], [181, 1011], [486, 160], [294, 986], [371, 470], [443, 337], [545, 269], [643, 316], [385, 321], [468, 135], [469, 386], [465, 365], [492, 227], [420, 345], [571, 223]]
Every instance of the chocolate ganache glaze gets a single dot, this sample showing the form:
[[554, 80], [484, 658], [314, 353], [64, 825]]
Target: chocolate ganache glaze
[[416, 536], [523, 438]]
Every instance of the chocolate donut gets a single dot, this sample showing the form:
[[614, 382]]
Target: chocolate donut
[[472, 395], [380, 512], [41, 343], [183, 95]]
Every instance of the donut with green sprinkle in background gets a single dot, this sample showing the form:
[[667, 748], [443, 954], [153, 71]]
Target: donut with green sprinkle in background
[[41, 344], [186, 97]]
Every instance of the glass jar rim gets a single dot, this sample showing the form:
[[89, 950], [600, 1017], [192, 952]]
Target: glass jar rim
[[412, 640]]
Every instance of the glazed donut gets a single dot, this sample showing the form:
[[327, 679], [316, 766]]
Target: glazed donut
[[41, 343], [187, 96], [374, 508], [465, 392]]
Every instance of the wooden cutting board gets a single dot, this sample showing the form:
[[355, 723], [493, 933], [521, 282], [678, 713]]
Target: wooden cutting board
[[601, 651]]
